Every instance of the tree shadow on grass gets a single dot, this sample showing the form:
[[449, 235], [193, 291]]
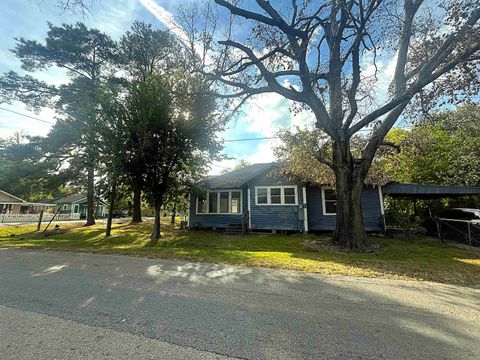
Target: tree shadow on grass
[[426, 260]]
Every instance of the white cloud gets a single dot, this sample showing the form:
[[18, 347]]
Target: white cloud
[[113, 17], [384, 69], [11, 123], [165, 17], [268, 113], [264, 153], [217, 167]]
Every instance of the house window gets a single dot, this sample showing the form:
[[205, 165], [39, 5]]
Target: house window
[[76, 209], [262, 196], [276, 195], [201, 206], [224, 196], [65, 207], [329, 201], [289, 195], [235, 202], [213, 202], [221, 202]]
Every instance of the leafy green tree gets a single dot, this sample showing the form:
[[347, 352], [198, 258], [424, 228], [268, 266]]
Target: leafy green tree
[[301, 154], [442, 149], [26, 172], [88, 57], [112, 134], [143, 51], [176, 200], [176, 133]]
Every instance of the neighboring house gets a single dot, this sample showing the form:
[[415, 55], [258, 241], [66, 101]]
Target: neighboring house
[[255, 196], [77, 204], [10, 204]]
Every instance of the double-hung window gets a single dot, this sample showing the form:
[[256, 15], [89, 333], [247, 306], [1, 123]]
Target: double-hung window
[[276, 195], [213, 203], [224, 196], [201, 206], [262, 196], [235, 202], [220, 202], [329, 197]]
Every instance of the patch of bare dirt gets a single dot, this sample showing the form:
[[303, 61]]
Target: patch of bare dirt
[[326, 245]]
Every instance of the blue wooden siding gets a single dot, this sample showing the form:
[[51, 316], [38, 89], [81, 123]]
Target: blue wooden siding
[[275, 217], [288, 217], [370, 208], [220, 221]]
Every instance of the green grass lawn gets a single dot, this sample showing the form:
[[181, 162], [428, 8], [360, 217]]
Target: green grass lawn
[[424, 260]]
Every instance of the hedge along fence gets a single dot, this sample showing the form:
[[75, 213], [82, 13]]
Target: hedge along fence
[[33, 218]]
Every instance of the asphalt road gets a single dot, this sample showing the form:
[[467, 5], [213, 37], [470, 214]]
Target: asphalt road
[[56, 305]]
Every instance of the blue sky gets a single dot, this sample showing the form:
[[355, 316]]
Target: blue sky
[[24, 18], [263, 116]]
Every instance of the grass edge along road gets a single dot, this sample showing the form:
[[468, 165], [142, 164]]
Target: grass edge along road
[[425, 259]]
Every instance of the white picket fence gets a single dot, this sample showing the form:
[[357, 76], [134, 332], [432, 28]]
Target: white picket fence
[[33, 218]]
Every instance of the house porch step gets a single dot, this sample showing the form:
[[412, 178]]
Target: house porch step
[[234, 229]]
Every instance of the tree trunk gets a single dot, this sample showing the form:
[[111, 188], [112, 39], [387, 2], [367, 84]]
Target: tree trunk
[[90, 196], [174, 212], [110, 210], [349, 231], [155, 236], [137, 206]]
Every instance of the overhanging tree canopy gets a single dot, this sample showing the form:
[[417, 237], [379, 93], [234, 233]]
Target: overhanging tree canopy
[[317, 53]]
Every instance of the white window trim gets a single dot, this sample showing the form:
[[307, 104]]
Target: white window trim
[[76, 207], [282, 195], [324, 208], [305, 212], [218, 202], [188, 210]]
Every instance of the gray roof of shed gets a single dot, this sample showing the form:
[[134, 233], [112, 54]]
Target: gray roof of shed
[[428, 191], [70, 199], [6, 198], [236, 178]]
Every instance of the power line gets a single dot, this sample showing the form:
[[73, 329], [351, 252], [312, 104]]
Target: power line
[[221, 167], [278, 137], [252, 139], [28, 116], [225, 140]]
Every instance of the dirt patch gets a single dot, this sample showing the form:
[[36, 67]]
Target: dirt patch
[[326, 245]]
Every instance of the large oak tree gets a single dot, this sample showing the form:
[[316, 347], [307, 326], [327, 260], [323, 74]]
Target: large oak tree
[[318, 54]]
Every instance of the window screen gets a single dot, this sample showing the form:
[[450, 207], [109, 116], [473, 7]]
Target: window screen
[[275, 196], [262, 196], [224, 202], [212, 202], [330, 201], [235, 206], [202, 206], [289, 195]]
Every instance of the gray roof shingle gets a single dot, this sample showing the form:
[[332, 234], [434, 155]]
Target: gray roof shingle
[[236, 178], [70, 198], [428, 191]]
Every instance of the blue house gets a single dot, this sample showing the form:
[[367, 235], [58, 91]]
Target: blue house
[[261, 200], [256, 198]]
